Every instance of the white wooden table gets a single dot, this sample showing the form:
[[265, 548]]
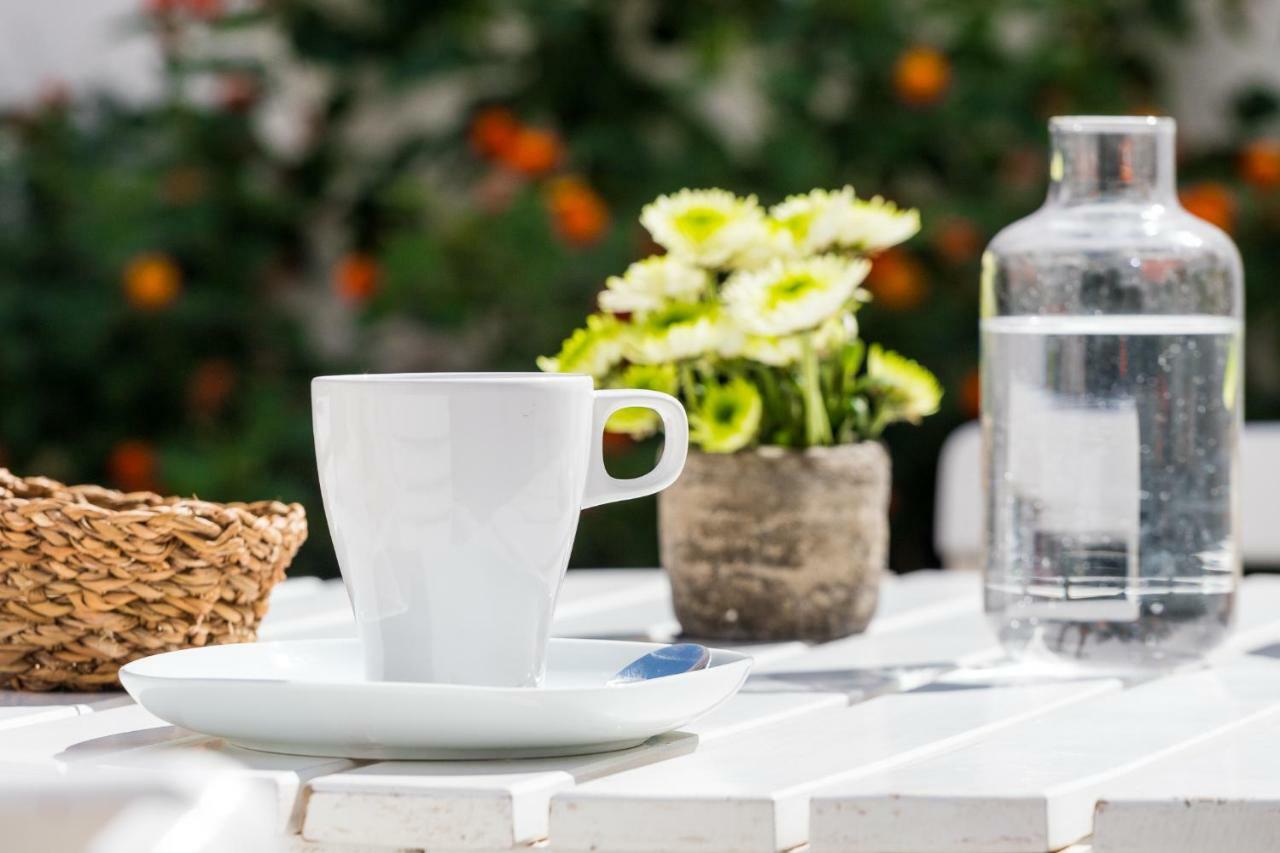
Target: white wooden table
[[910, 737]]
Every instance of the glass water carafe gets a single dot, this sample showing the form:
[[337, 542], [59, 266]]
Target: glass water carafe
[[1111, 398]]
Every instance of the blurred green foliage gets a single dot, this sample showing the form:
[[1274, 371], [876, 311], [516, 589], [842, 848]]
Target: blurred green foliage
[[390, 227]]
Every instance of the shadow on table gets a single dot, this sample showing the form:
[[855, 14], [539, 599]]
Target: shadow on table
[[858, 683], [622, 636], [933, 677], [94, 747], [1269, 651]]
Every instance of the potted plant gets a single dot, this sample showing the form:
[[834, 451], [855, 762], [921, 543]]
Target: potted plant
[[778, 528]]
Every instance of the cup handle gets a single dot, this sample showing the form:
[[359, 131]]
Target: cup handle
[[602, 488]]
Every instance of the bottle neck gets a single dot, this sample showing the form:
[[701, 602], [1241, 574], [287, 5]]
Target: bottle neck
[[1104, 159]]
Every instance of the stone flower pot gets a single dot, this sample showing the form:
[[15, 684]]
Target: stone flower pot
[[777, 544]]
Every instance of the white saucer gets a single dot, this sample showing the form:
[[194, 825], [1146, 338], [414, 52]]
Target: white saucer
[[310, 697]]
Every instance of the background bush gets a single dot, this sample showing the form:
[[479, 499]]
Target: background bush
[[397, 185]]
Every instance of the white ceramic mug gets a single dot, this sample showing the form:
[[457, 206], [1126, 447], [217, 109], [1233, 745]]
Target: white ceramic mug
[[453, 500]]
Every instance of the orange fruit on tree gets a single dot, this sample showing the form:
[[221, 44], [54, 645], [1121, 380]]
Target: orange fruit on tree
[[493, 130], [897, 280], [1260, 163], [356, 277], [152, 281], [1212, 202], [132, 466], [579, 214], [533, 151], [921, 76]]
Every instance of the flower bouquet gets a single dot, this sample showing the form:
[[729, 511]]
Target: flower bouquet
[[750, 318], [778, 529]]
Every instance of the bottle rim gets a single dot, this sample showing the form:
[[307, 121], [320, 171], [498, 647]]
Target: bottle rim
[[1113, 124]]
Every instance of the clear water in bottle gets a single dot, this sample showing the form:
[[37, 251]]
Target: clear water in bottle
[[1112, 460], [1111, 397]]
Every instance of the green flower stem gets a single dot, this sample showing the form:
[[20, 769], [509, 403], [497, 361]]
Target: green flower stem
[[876, 428], [768, 386], [880, 415], [817, 425], [777, 412], [688, 386]]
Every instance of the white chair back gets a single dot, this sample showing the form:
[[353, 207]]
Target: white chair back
[[958, 517], [958, 507]]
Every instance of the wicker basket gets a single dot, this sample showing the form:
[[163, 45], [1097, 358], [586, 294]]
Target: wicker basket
[[91, 578]]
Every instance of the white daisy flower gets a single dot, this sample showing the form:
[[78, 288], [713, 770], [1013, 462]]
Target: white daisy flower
[[680, 330], [865, 225], [811, 219], [706, 227], [652, 283], [793, 296], [786, 350], [772, 241], [594, 350]]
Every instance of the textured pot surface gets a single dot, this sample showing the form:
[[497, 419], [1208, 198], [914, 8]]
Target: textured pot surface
[[776, 544]]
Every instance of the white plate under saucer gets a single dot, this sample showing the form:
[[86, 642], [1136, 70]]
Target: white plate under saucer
[[310, 697]]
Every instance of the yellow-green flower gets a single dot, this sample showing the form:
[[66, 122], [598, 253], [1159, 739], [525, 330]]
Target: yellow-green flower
[[727, 418], [709, 228], [865, 225], [911, 391], [793, 296], [652, 283], [637, 422], [680, 330], [594, 350]]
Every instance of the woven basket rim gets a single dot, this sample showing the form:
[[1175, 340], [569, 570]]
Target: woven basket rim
[[113, 501]]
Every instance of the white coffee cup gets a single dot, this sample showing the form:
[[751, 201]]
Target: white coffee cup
[[453, 499]]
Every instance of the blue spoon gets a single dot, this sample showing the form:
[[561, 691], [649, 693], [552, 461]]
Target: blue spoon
[[668, 660]]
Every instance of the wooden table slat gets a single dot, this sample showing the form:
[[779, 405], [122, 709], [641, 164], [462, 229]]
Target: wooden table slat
[[1033, 786], [85, 738], [284, 775], [486, 804], [1221, 795], [750, 793]]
